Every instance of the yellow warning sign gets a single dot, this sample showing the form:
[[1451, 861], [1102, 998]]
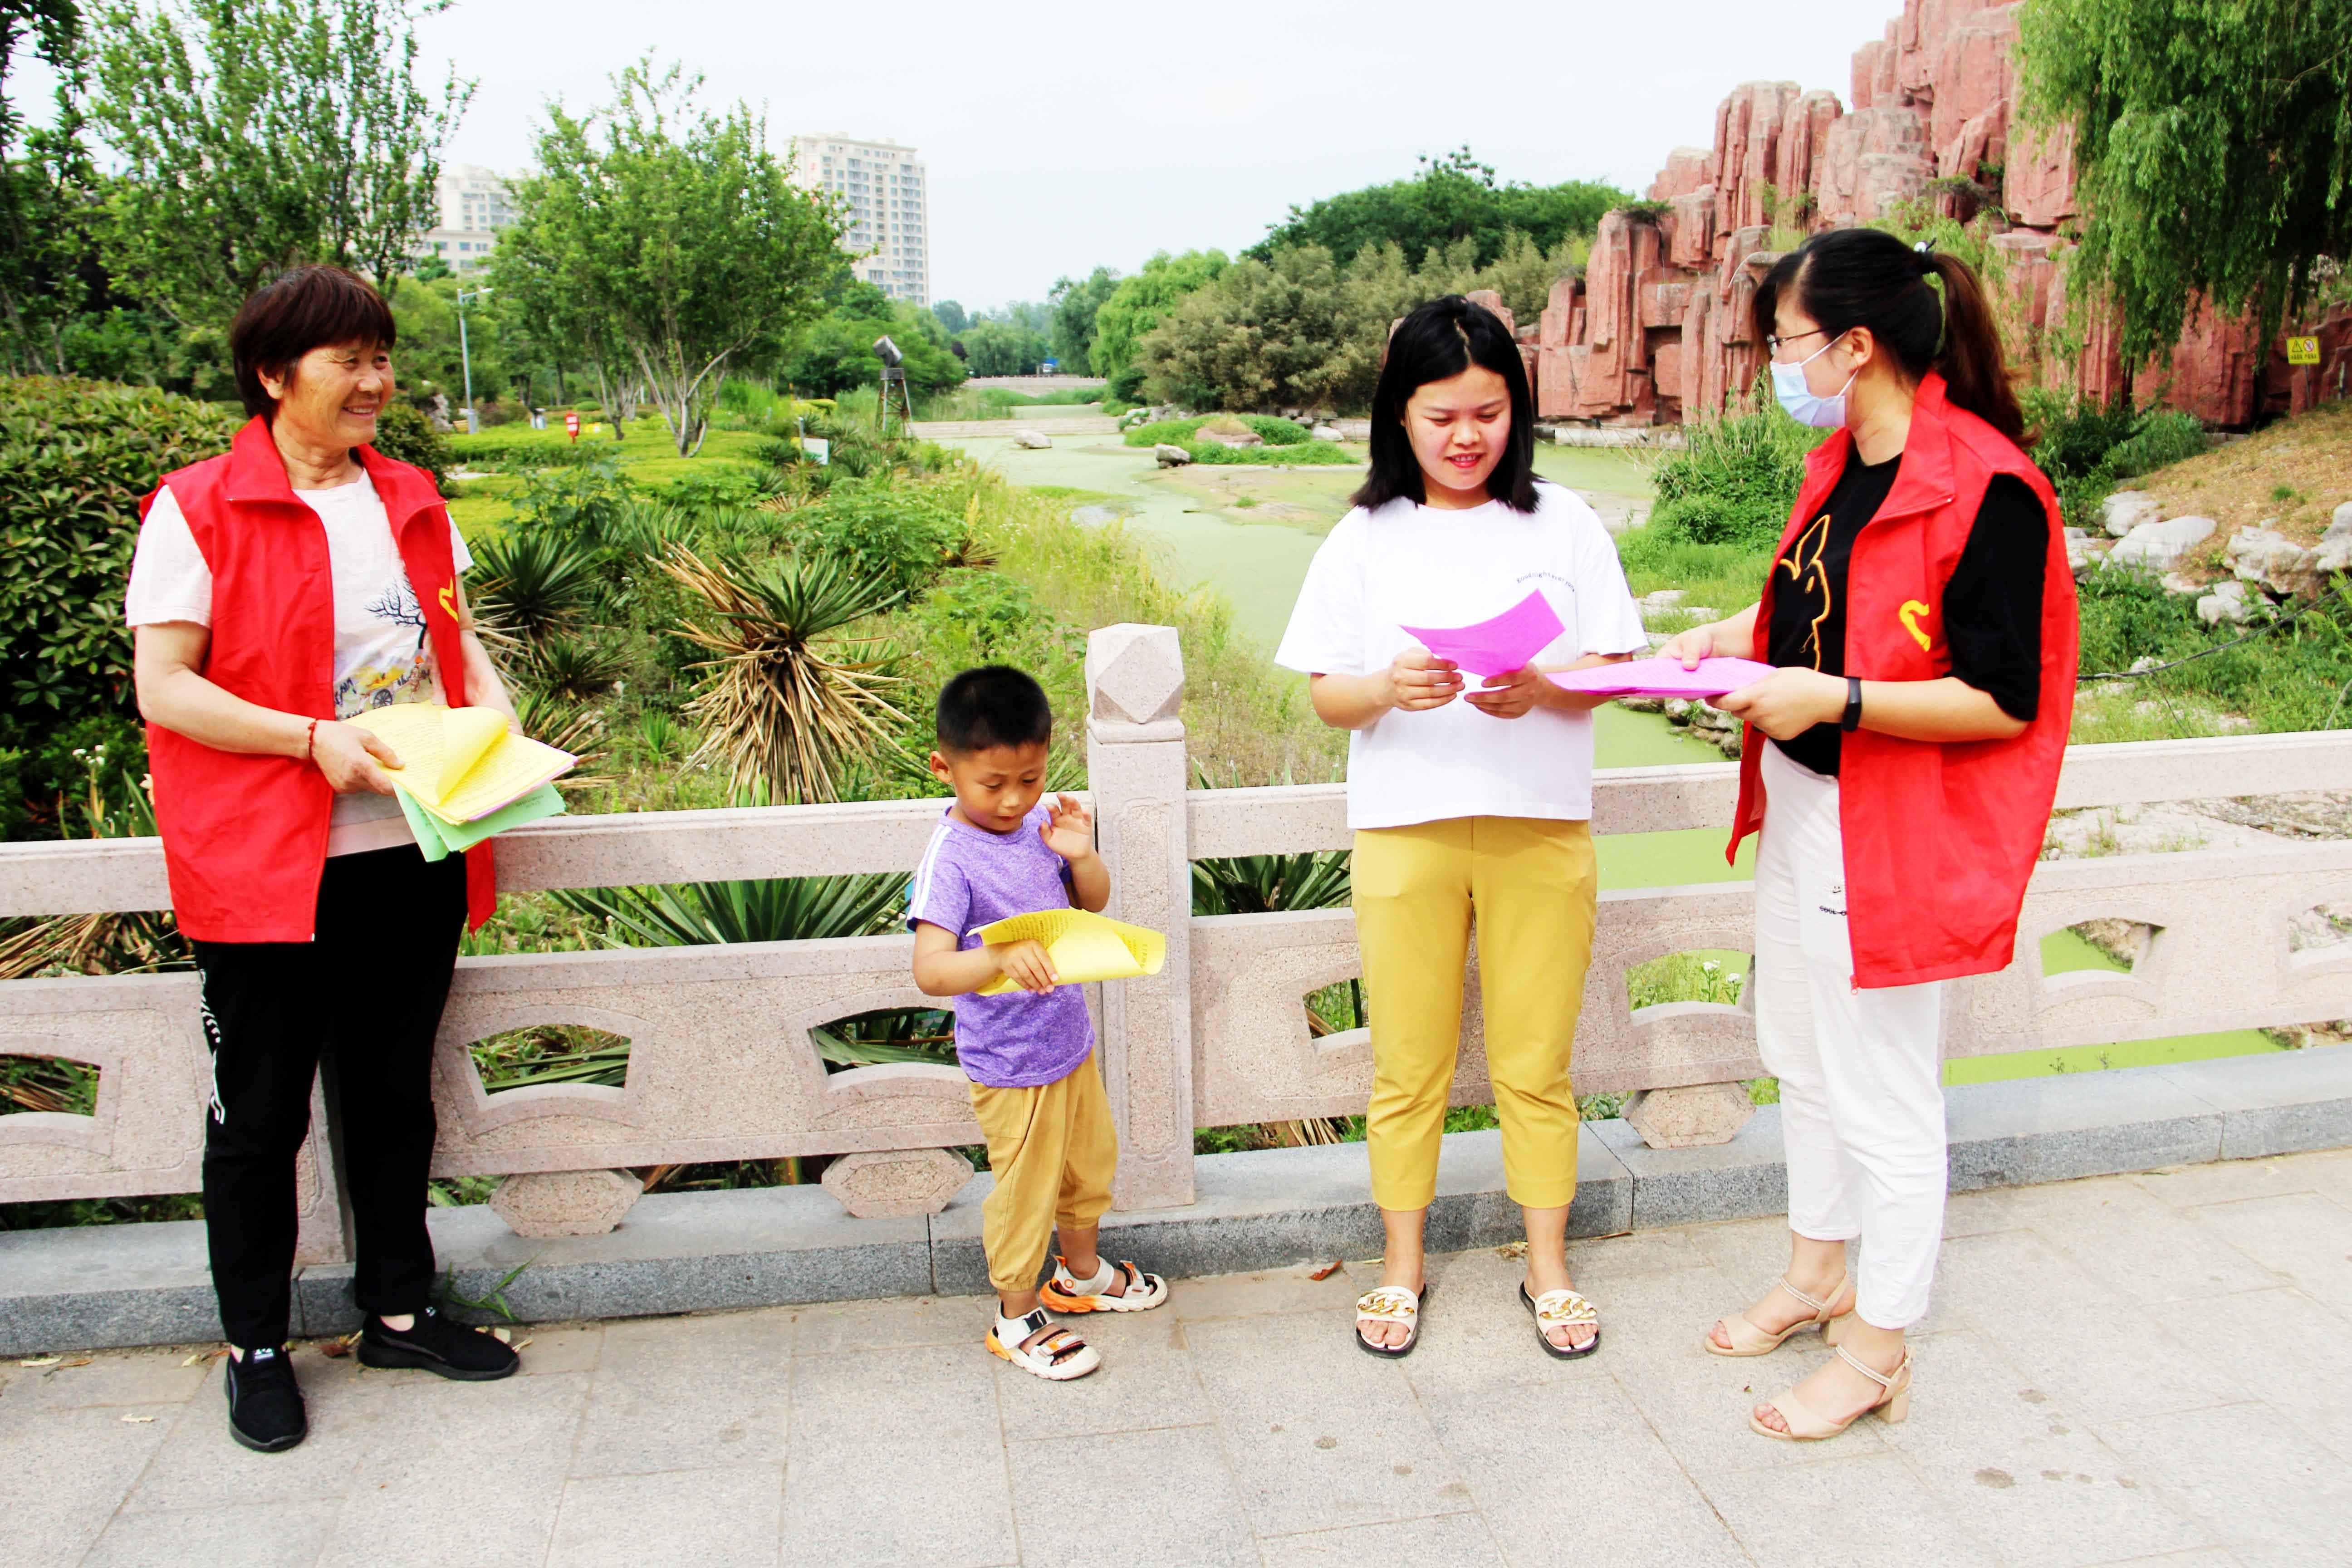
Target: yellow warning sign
[[2303, 351]]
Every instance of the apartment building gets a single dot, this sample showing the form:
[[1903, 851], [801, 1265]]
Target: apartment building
[[475, 204], [888, 207]]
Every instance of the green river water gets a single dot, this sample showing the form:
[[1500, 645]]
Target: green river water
[[1249, 532]]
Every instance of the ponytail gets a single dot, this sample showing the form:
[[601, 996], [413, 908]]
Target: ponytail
[[1849, 278]]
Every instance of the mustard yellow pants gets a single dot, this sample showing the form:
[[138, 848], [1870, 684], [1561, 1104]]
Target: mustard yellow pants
[[1532, 886], [1054, 1151]]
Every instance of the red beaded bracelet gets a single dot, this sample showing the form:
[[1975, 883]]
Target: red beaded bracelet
[[310, 742]]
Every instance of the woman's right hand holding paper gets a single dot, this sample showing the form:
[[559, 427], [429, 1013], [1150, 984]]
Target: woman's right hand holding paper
[[353, 759], [1420, 681]]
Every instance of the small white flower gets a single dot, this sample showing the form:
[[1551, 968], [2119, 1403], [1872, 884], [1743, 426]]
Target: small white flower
[[1710, 965]]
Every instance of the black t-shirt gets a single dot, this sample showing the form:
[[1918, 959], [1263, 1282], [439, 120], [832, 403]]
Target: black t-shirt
[[1991, 611]]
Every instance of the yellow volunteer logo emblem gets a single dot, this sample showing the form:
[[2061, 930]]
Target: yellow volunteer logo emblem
[[1911, 614], [449, 600]]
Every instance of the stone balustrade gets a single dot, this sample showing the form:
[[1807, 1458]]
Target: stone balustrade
[[722, 1065]]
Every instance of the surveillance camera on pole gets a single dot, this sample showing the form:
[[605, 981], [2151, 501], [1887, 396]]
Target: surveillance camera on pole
[[894, 372]]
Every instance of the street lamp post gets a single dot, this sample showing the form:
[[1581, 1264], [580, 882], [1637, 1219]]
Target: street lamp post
[[465, 358]]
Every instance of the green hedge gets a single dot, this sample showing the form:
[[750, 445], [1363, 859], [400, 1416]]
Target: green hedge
[[78, 456]]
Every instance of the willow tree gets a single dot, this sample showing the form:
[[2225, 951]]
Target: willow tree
[[659, 231], [2213, 149]]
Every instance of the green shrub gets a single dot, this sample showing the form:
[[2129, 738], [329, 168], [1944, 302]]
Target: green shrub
[[1736, 479], [585, 503], [404, 433], [1287, 441], [884, 530], [78, 456], [2163, 438], [2087, 449]]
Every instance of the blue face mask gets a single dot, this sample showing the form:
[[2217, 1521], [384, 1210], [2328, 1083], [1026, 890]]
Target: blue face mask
[[1805, 405]]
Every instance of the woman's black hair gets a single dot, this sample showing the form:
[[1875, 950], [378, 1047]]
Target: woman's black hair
[[1849, 278], [1442, 339], [306, 308]]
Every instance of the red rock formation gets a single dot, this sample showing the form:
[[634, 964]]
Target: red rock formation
[[1660, 329]]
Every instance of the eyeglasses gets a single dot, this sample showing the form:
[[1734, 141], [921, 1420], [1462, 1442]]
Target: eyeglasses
[[1774, 342]]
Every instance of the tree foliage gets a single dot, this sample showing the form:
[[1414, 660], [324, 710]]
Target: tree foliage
[[1303, 332], [1452, 197], [995, 347], [1076, 302], [1140, 301], [43, 228], [254, 134], [836, 352], [663, 232], [950, 315], [2214, 148]]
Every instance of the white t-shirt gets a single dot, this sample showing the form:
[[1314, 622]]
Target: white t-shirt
[[382, 654], [1408, 562]]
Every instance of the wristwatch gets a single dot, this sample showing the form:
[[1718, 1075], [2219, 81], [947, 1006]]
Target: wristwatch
[[1853, 719]]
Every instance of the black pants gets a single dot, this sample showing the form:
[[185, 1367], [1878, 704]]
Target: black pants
[[387, 922]]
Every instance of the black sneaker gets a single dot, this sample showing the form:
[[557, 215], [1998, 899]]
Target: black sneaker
[[265, 1403], [436, 1346]]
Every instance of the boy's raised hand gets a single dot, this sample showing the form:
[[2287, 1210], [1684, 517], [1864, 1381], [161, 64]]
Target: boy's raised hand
[[1026, 964], [1069, 829]]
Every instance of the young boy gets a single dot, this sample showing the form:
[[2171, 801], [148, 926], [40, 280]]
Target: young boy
[[1029, 1053]]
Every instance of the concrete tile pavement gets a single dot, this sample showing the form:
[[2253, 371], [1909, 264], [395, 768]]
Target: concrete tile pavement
[[2119, 1369]]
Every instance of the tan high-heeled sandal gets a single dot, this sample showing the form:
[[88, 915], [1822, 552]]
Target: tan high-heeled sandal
[[1893, 1403], [1746, 1339]]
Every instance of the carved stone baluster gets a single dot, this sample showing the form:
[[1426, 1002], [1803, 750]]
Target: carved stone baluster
[[1138, 773]]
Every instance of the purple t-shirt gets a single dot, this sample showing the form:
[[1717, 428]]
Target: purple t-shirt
[[969, 878]]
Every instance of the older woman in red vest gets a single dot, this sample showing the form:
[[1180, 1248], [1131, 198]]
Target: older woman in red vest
[[297, 580], [1900, 762]]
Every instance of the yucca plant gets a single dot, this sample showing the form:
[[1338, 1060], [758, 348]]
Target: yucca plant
[[577, 730], [574, 667], [786, 709], [797, 909], [1263, 884], [530, 583], [788, 909]]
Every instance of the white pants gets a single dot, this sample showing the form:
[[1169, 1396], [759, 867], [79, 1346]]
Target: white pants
[[1861, 1096]]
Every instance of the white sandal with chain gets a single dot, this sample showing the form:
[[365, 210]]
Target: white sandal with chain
[[1390, 1304], [1562, 1309]]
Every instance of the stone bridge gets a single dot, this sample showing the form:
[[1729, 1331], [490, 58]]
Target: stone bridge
[[2145, 1361]]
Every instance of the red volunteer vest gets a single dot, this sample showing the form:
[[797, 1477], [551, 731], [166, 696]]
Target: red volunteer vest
[[245, 838], [1940, 839]]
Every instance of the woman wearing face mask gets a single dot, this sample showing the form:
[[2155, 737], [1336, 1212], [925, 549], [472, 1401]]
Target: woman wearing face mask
[[1464, 799], [1922, 616]]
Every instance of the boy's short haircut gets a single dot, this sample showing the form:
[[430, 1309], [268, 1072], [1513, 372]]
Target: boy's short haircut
[[994, 705]]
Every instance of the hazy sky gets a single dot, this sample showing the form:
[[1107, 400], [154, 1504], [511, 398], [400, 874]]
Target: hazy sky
[[1060, 137]]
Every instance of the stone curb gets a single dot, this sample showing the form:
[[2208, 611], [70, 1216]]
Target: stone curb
[[104, 1285]]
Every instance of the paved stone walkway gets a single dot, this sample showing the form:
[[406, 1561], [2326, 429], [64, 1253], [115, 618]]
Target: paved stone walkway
[[2155, 1369]]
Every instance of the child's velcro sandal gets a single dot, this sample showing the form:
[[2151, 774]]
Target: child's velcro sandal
[[1120, 1289], [1058, 1356]]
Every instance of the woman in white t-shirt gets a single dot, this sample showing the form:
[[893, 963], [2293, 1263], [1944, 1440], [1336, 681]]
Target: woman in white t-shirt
[[280, 590], [1464, 799]]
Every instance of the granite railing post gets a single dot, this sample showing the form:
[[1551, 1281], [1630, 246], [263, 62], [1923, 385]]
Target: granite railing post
[[1138, 770]]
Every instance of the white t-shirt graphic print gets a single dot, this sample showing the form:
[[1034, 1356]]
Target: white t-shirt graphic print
[[382, 653], [1405, 563]]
